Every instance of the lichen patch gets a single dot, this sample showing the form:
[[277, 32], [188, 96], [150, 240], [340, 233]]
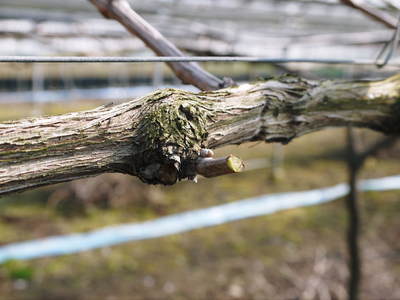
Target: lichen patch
[[170, 134]]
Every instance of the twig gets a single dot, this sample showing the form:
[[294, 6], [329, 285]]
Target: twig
[[188, 72], [375, 14], [387, 51], [212, 167]]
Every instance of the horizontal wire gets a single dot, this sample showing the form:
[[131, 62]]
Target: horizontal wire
[[122, 59]]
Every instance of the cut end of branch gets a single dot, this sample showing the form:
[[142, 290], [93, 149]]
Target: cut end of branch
[[210, 167], [235, 164]]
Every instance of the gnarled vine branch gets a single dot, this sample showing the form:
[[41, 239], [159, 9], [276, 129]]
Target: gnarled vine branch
[[159, 137]]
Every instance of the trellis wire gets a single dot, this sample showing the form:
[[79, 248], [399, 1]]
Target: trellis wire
[[135, 59], [187, 221]]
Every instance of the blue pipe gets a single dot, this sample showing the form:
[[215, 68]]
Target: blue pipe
[[182, 222]]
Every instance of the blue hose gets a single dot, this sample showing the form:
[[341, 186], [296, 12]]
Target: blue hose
[[182, 222]]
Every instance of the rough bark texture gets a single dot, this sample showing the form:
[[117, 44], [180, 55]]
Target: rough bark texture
[[159, 137]]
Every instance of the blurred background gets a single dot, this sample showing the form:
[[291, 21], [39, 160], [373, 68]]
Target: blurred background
[[296, 254]]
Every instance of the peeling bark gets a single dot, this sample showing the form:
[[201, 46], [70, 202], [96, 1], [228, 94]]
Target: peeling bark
[[160, 136]]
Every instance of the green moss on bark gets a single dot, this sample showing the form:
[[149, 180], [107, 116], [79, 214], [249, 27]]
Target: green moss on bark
[[170, 134]]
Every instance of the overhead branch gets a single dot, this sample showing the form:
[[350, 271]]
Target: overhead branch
[[160, 137], [188, 72], [373, 13]]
